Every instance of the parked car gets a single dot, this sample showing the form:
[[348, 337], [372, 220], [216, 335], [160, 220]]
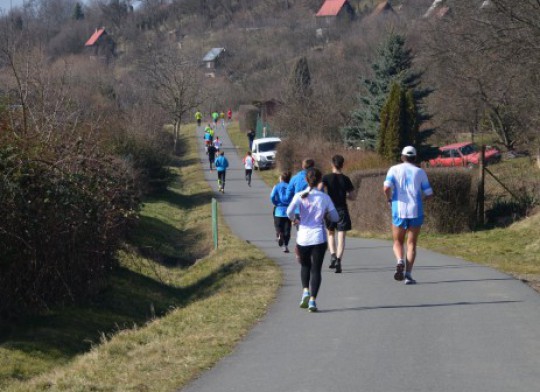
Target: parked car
[[264, 152], [464, 154]]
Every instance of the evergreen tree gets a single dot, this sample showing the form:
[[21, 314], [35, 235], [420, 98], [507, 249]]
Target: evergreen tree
[[78, 13], [393, 64], [399, 123]]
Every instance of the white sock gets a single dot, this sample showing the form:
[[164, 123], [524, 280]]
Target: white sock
[[401, 261]]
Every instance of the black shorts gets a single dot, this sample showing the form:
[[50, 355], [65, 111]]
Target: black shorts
[[344, 222]]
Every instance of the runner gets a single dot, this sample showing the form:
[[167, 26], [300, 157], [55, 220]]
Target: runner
[[221, 166], [339, 187], [217, 144], [215, 117], [207, 138], [251, 137], [311, 238], [211, 155], [198, 117], [279, 199], [298, 182], [248, 165], [403, 187], [229, 115], [222, 118]]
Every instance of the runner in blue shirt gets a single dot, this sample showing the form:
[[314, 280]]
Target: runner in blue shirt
[[221, 164], [279, 199]]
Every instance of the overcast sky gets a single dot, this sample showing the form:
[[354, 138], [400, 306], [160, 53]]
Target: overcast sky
[[5, 4]]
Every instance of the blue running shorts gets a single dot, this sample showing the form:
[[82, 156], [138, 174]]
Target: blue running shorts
[[406, 223]]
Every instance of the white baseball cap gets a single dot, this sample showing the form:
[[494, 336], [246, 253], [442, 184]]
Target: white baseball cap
[[409, 151]]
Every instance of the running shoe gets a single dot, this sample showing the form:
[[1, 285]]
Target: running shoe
[[409, 280], [305, 300], [312, 306], [399, 276], [333, 261], [280, 241], [338, 267], [286, 250]]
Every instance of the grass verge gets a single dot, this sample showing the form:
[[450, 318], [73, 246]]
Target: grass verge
[[172, 309]]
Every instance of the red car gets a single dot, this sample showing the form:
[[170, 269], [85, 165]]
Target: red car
[[463, 154]]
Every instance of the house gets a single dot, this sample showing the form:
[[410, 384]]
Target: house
[[383, 9], [101, 44], [333, 10], [211, 58]]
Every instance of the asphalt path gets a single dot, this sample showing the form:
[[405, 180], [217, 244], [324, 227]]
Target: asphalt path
[[463, 327]]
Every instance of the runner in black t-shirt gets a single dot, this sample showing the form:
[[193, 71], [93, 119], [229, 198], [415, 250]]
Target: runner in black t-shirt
[[340, 188]]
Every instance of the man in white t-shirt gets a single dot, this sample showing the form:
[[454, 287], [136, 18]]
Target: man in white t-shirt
[[248, 165], [404, 186]]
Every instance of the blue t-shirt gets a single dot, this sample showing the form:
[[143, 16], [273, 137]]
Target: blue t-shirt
[[279, 198], [221, 163], [297, 184]]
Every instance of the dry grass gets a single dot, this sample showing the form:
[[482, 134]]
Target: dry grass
[[212, 304]]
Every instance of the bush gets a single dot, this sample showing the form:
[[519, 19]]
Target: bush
[[449, 211], [61, 225], [150, 156]]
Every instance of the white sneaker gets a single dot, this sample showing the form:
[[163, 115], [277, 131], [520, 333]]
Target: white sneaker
[[409, 280]]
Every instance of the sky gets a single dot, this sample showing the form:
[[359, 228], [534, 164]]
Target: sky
[[5, 4]]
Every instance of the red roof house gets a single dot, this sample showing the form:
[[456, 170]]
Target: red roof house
[[332, 9], [95, 37], [101, 44]]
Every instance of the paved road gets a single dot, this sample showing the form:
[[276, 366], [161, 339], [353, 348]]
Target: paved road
[[463, 327]]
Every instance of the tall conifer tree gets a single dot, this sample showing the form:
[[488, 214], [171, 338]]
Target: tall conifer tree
[[393, 64]]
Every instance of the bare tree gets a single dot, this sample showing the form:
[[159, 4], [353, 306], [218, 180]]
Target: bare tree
[[174, 83]]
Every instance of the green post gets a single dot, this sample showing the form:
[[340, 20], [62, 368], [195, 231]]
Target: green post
[[215, 222]]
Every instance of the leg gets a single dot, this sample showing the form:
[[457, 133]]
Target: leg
[[305, 261], [331, 241], [398, 235], [341, 235], [412, 238], [224, 173], [249, 177], [286, 227], [317, 257]]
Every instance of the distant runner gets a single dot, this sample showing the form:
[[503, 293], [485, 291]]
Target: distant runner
[[403, 187], [229, 115], [198, 117], [222, 118], [215, 117], [211, 155], [251, 137], [207, 138], [311, 243], [217, 144], [339, 187], [279, 199], [248, 166], [221, 164]]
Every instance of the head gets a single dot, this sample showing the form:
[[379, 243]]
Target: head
[[308, 163], [338, 161], [217, 137], [408, 154], [221, 153], [313, 177], [249, 153], [285, 176]]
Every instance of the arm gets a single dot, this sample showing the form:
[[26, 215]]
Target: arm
[[273, 196], [331, 211], [291, 208]]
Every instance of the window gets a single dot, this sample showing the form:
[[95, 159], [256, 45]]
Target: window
[[269, 146]]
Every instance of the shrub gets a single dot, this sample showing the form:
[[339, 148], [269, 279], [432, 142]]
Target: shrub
[[61, 224]]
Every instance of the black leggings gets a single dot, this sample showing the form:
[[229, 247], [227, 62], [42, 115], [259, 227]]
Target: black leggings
[[221, 178], [311, 260], [283, 226]]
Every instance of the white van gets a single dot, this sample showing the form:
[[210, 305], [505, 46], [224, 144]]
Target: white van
[[264, 152]]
